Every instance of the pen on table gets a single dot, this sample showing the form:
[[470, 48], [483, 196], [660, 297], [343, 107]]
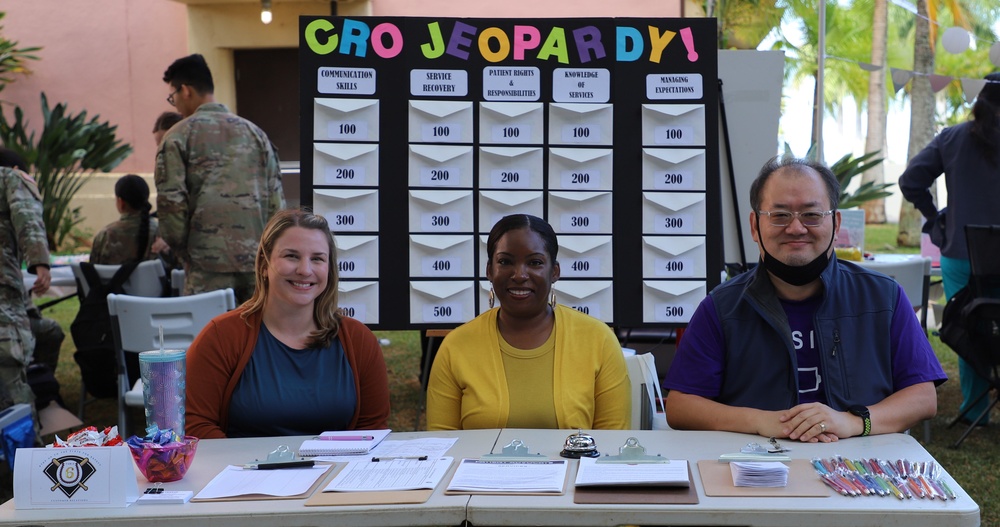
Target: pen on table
[[835, 485], [346, 438], [393, 458], [303, 463]]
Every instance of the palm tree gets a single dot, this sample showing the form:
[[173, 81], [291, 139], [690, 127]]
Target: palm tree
[[875, 138], [975, 16], [921, 118]]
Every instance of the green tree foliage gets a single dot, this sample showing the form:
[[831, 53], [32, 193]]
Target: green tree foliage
[[743, 24], [846, 168], [62, 158], [13, 58]]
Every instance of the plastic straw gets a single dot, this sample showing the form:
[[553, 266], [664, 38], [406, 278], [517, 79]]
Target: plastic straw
[[161, 338]]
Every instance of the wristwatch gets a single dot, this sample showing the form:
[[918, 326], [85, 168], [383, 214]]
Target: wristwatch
[[862, 412]]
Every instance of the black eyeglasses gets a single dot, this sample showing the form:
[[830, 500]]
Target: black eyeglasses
[[783, 218], [170, 98]]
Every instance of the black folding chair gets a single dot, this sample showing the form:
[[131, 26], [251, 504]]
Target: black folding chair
[[971, 326]]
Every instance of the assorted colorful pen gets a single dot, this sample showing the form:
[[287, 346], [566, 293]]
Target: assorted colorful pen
[[879, 477]]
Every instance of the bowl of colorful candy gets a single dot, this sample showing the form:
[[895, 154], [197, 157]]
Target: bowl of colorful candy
[[162, 455]]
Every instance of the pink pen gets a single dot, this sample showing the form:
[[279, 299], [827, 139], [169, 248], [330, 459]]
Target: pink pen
[[346, 438]]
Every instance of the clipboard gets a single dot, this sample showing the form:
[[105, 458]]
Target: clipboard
[[634, 453], [389, 497], [717, 479], [565, 483], [259, 497], [638, 495], [321, 499]]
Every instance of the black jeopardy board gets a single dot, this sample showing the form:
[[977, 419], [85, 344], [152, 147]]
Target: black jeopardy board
[[420, 133]]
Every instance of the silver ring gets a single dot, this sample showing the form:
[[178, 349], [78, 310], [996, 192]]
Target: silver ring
[[822, 427]]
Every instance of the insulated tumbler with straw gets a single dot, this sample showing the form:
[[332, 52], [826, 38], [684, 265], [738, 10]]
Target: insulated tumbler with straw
[[163, 387]]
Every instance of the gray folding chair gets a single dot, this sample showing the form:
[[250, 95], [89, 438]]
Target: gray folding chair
[[136, 322]]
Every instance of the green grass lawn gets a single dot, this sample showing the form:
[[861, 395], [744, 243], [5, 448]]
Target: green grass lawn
[[972, 464]]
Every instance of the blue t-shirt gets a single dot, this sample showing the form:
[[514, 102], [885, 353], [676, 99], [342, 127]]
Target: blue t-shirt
[[287, 391]]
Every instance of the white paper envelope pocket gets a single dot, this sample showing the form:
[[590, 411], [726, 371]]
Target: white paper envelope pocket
[[483, 258], [585, 256], [511, 123], [442, 302], [580, 212], [495, 204], [345, 164], [441, 211], [673, 213], [580, 168], [581, 124], [670, 301], [673, 257], [74, 478], [673, 124], [510, 167], [357, 256], [593, 297], [440, 166], [673, 169], [345, 119], [359, 300], [484, 297], [440, 122], [348, 210], [435, 255]]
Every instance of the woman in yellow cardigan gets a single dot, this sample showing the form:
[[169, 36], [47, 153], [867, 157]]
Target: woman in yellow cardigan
[[529, 363]]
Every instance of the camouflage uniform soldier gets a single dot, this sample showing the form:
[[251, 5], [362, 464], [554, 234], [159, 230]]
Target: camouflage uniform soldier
[[22, 237], [119, 241], [217, 183]]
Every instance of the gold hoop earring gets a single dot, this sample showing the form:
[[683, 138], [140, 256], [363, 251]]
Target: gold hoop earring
[[492, 298], [552, 298]]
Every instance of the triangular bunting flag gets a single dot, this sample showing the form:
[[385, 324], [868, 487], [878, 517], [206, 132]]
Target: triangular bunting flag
[[869, 67], [900, 78], [939, 82], [972, 87]]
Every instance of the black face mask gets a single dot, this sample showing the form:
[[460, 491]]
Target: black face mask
[[797, 275]]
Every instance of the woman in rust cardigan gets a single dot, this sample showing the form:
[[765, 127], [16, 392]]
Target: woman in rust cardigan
[[286, 362]]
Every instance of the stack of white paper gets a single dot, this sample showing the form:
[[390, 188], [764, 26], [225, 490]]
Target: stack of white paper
[[670, 474], [474, 475], [759, 474], [390, 474]]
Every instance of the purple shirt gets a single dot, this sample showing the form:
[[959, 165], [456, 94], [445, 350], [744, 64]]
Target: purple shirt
[[699, 363]]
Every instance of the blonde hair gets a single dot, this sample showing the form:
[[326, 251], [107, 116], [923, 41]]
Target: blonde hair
[[325, 311]]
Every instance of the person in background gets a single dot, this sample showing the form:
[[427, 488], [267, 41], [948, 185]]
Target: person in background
[[129, 239], [968, 155], [529, 363], [287, 362], [164, 122], [804, 346], [22, 238], [217, 183]]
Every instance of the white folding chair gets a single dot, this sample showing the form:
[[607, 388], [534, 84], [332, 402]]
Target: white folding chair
[[914, 274], [177, 282], [146, 280], [136, 322], [641, 409]]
